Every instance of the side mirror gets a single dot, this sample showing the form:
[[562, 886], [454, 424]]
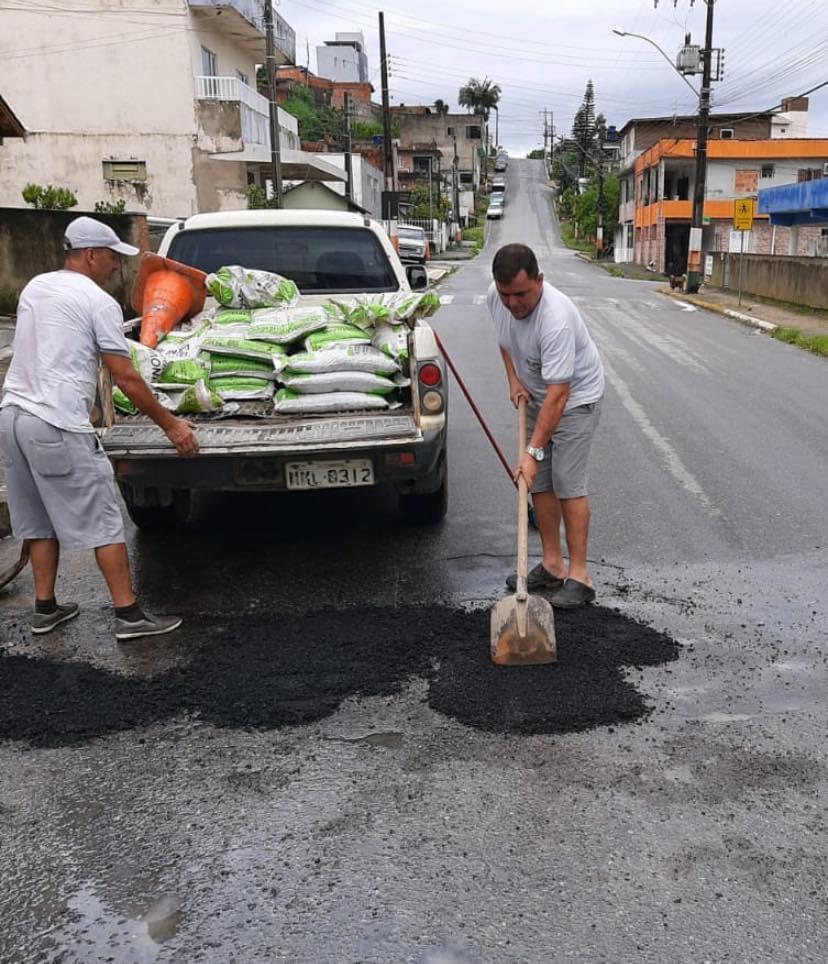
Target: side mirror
[[417, 277]]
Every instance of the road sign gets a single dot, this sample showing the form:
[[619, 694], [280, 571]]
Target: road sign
[[743, 214]]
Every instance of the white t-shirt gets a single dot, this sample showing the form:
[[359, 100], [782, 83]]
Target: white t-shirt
[[550, 347], [64, 323]]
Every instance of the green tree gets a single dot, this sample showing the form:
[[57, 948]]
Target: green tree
[[479, 96], [536, 154], [315, 122], [420, 207], [583, 129], [110, 207], [441, 107]]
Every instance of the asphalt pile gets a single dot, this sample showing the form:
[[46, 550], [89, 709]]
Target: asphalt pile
[[271, 671]]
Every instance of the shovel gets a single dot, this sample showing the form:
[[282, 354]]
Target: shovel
[[523, 626], [15, 568]]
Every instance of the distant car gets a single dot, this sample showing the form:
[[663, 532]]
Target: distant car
[[495, 209], [498, 185], [413, 243]]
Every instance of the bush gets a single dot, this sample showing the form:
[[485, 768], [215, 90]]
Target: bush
[[49, 198], [257, 198], [8, 301], [110, 207]]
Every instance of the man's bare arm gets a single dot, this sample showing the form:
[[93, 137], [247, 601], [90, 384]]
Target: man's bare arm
[[178, 430], [549, 415], [516, 388]]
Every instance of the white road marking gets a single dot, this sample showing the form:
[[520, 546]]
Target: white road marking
[[685, 307], [670, 456], [446, 299], [480, 299]]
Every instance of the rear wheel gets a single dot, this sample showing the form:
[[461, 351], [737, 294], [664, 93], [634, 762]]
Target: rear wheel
[[152, 516], [426, 508]]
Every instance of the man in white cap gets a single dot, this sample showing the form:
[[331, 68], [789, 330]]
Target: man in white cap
[[59, 481]]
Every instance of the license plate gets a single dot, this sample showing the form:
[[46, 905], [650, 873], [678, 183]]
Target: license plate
[[343, 474]]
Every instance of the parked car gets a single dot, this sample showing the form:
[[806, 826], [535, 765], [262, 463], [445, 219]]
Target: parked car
[[498, 185], [495, 209], [413, 243], [501, 162]]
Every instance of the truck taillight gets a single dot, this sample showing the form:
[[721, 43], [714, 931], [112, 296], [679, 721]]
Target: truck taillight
[[432, 402], [430, 375]]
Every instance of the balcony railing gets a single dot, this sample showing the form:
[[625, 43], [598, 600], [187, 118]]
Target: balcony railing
[[252, 11], [253, 108]]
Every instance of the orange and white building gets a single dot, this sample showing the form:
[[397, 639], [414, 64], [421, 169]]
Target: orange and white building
[[657, 184]]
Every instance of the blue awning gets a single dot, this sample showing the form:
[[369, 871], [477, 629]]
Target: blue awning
[[802, 203]]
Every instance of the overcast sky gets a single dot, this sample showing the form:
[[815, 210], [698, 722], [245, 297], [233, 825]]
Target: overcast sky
[[542, 52]]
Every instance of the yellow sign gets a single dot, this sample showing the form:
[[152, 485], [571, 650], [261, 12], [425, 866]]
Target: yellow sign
[[743, 214]]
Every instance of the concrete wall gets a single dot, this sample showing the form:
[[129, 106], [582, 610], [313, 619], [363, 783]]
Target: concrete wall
[[230, 57], [801, 281], [76, 161], [314, 195], [428, 128], [367, 182], [721, 174], [31, 242]]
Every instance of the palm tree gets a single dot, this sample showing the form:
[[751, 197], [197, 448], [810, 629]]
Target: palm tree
[[440, 106], [480, 96]]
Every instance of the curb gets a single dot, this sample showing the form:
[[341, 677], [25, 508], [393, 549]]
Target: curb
[[739, 316]]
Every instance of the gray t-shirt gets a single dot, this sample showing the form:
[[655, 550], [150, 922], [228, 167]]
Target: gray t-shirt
[[550, 347], [64, 323]]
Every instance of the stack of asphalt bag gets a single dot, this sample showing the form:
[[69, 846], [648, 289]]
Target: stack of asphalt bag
[[260, 344]]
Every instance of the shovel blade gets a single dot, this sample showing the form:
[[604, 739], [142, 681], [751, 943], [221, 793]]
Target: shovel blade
[[510, 647]]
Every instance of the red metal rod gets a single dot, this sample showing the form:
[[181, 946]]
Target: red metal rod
[[475, 409]]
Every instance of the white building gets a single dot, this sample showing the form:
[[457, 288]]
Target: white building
[[153, 103], [368, 180], [343, 59]]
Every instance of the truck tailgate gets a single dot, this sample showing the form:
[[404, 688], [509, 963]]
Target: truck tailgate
[[141, 438]]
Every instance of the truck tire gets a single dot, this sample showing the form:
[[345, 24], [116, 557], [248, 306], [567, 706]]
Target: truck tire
[[426, 508], [184, 509]]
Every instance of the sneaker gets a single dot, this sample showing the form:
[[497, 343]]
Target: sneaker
[[46, 622], [147, 626], [537, 578]]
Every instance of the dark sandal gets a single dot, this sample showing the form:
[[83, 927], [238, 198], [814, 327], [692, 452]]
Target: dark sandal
[[573, 595], [537, 578]]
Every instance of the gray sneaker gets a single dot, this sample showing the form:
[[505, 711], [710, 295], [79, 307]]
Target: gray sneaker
[[148, 626], [537, 578], [46, 622]]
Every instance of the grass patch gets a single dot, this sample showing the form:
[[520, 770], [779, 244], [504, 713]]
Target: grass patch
[[473, 234], [818, 344], [613, 269], [569, 239], [8, 301]]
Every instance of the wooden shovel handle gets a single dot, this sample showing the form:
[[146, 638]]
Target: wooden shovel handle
[[523, 525]]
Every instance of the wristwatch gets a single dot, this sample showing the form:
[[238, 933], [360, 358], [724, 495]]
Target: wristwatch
[[537, 454]]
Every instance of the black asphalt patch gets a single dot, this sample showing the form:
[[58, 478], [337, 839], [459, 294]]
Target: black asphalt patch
[[271, 671]]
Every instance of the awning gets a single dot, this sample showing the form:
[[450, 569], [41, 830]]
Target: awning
[[790, 204], [296, 165]]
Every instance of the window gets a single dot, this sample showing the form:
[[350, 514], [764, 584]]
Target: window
[[209, 63], [450, 132], [726, 133], [319, 260], [125, 170], [243, 77], [466, 177], [768, 170], [824, 233], [473, 132], [421, 164]]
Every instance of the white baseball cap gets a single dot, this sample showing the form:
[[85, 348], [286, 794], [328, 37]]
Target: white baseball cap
[[88, 233]]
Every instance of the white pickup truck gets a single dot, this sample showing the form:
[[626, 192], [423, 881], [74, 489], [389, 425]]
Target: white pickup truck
[[328, 254]]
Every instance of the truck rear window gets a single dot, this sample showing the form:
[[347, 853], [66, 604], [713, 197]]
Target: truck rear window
[[318, 259]]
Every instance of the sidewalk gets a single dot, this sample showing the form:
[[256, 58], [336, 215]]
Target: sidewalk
[[751, 312]]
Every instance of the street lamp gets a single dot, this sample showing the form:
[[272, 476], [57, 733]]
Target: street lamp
[[694, 252], [652, 43]]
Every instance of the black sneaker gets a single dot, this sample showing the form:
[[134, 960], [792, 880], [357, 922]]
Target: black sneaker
[[537, 578], [148, 625], [46, 622]]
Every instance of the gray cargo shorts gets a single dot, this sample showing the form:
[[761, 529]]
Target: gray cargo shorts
[[564, 467], [60, 485]]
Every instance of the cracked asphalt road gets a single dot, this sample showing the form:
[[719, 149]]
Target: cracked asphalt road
[[394, 826]]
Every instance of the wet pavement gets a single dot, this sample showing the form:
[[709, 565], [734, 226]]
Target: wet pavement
[[322, 765]]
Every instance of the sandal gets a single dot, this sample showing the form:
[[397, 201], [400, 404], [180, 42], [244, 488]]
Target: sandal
[[537, 578], [573, 595]]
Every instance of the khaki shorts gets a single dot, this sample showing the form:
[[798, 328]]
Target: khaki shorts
[[60, 485], [566, 457]]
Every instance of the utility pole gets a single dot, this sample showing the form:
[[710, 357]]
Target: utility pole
[[349, 164], [270, 66], [386, 109], [545, 131], [694, 254], [430, 202], [599, 232], [455, 186]]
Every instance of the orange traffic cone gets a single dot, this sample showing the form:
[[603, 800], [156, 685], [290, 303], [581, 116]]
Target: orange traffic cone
[[165, 293]]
